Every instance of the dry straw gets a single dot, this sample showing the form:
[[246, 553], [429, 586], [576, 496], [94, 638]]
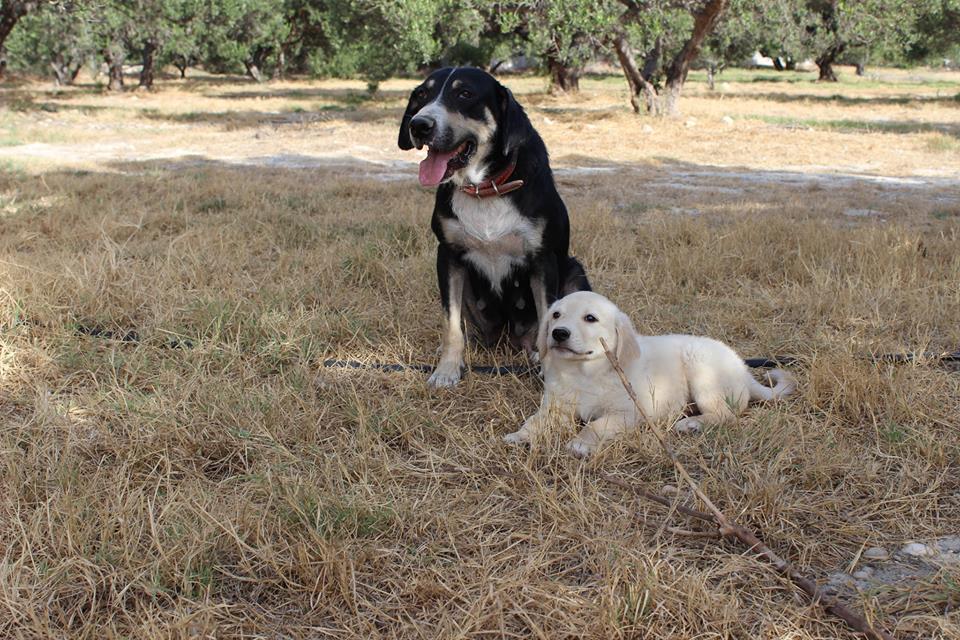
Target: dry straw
[[734, 531]]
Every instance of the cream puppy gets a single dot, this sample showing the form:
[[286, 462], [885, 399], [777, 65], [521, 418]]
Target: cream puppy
[[668, 373]]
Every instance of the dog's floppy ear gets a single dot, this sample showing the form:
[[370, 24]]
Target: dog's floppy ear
[[404, 139], [514, 124], [627, 350], [542, 336]]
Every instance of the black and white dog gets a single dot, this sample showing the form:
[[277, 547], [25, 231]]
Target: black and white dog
[[503, 229]]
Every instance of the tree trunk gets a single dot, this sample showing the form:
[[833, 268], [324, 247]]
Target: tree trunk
[[149, 55], [777, 63], [711, 76], [825, 62], [651, 63], [181, 63], [860, 68], [59, 71], [253, 71], [635, 79], [563, 78], [114, 57], [703, 22], [256, 62], [281, 66], [10, 14], [670, 98]]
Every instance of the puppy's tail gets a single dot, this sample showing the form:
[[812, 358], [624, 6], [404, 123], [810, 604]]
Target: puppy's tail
[[784, 385]]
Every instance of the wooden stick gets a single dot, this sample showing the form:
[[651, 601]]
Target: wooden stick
[[735, 531]]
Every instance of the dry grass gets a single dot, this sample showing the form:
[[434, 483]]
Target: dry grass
[[208, 478]]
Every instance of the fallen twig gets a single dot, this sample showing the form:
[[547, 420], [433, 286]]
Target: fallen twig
[[685, 533], [734, 531]]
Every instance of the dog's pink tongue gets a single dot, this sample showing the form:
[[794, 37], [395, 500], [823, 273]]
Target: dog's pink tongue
[[434, 166]]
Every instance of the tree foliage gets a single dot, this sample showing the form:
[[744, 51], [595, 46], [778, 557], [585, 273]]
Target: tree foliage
[[655, 41]]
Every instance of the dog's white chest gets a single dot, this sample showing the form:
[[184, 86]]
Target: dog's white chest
[[493, 233]]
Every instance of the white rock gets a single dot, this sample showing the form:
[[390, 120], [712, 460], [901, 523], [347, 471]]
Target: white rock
[[547, 120], [950, 544], [917, 550], [647, 129], [863, 574], [876, 553], [691, 122], [727, 120], [669, 490], [839, 578]]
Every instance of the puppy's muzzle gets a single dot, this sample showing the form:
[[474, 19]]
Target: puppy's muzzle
[[560, 335]]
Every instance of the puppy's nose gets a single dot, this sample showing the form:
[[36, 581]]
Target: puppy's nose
[[560, 334], [422, 126]]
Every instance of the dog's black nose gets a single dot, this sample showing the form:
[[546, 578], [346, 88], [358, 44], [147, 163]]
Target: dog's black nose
[[422, 127], [560, 334]]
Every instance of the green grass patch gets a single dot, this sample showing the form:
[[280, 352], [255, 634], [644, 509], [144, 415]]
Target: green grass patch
[[941, 143], [860, 126]]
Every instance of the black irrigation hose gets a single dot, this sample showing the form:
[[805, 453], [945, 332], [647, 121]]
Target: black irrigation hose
[[517, 369], [506, 370]]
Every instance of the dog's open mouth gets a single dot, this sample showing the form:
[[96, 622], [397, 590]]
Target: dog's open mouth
[[440, 165]]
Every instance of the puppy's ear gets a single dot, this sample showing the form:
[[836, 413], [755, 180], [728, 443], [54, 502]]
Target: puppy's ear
[[404, 140], [542, 336], [627, 350], [514, 125]]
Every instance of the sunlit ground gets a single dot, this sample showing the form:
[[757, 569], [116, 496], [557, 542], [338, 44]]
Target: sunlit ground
[[175, 462]]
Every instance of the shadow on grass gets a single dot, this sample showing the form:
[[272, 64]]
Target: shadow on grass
[[580, 174], [839, 99], [864, 126], [347, 167], [30, 101], [347, 97], [232, 120]]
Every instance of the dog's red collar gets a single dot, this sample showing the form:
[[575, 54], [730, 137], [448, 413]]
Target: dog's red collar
[[496, 186]]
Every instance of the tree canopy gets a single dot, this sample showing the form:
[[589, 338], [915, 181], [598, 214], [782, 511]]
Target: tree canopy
[[655, 42]]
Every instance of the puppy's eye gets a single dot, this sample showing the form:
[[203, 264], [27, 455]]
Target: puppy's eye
[[464, 94], [420, 94], [556, 314], [590, 317]]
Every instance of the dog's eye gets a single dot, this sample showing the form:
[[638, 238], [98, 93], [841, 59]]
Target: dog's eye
[[464, 94], [420, 94], [556, 314], [590, 317]]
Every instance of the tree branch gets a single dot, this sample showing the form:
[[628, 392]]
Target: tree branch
[[734, 531]]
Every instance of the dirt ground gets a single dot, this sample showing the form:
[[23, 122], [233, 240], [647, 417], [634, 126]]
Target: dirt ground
[[176, 461]]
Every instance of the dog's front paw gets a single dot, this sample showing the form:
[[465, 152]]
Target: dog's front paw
[[447, 374], [688, 426], [517, 437], [581, 448]]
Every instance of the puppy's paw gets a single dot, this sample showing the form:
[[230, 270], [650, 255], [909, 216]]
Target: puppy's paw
[[447, 374], [688, 426], [517, 437], [581, 448]]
